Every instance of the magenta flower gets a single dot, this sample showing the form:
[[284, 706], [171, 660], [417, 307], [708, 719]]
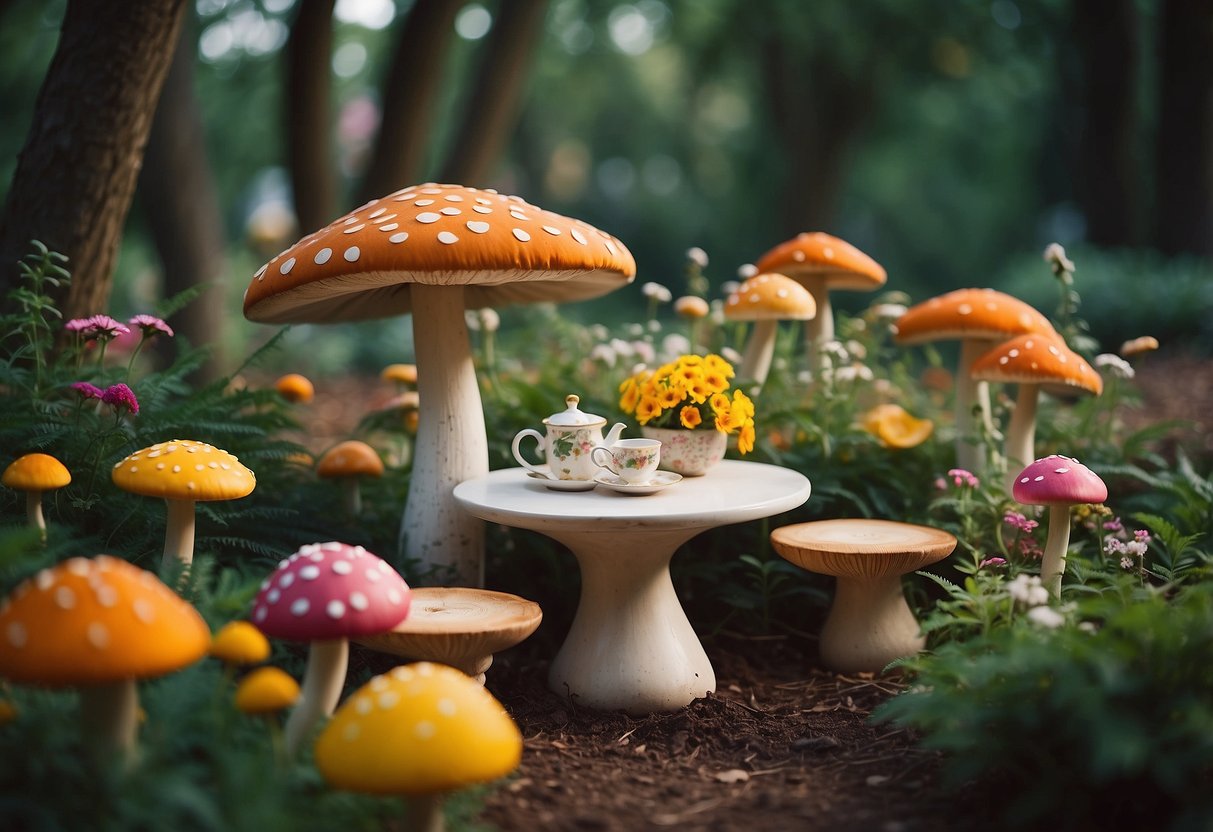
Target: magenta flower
[[1141, 536], [119, 396], [992, 563], [86, 390], [151, 326], [76, 325], [1017, 521], [1113, 525], [960, 477]]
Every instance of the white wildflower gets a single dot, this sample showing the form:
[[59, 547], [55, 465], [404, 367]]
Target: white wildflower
[[622, 348], [1045, 616], [888, 311], [490, 321], [644, 351], [747, 270], [1056, 254], [472, 320], [856, 349], [656, 292], [1114, 364], [675, 344], [698, 256], [599, 332], [634, 330], [654, 325], [604, 353], [730, 287], [1126, 563], [1028, 590]]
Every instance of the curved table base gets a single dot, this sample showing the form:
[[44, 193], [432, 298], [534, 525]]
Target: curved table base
[[630, 646]]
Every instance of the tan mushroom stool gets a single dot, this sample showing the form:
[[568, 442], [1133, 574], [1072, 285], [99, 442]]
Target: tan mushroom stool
[[459, 626], [870, 623]]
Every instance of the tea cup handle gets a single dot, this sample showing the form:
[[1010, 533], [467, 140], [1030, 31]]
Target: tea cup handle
[[517, 450], [610, 457]]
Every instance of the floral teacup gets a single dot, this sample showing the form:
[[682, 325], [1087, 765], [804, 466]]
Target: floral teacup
[[632, 460]]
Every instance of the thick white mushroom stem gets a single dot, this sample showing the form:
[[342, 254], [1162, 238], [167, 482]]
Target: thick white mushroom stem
[[1053, 564], [1021, 432], [869, 625], [424, 813], [820, 328], [109, 716], [970, 450], [322, 683], [756, 362], [451, 445], [178, 534], [33, 511]]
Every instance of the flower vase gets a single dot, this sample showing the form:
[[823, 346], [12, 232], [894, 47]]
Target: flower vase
[[691, 453]]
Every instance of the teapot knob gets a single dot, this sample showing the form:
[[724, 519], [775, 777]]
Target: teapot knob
[[571, 400]]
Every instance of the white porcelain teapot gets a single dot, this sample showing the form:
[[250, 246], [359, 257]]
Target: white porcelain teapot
[[571, 435]]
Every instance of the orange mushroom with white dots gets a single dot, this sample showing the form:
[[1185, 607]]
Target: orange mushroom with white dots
[[436, 250], [766, 299], [34, 474], [419, 730], [1036, 362], [99, 625], [183, 472]]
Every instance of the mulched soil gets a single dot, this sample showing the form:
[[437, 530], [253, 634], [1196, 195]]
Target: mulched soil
[[780, 745]]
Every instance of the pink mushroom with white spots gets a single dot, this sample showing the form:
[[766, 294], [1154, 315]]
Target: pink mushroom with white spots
[[1057, 482], [325, 594]]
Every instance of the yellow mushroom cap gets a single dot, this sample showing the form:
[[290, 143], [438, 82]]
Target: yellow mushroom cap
[[95, 621], [36, 472], [239, 642], [692, 306], [295, 388], [183, 469], [266, 690], [418, 729], [770, 296], [351, 458]]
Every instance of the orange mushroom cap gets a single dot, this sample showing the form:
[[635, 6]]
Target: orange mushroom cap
[[295, 388], [183, 469], [96, 621], [969, 313], [770, 296], [403, 373], [500, 248], [351, 458], [1040, 358], [36, 472], [818, 253]]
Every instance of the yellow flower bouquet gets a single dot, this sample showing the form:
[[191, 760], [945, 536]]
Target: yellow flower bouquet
[[687, 393]]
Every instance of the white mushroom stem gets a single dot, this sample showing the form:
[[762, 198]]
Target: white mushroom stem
[[970, 450], [322, 683], [756, 362], [424, 813], [820, 328], [351, 496], [869, 625], [178, 534], [1053, 564], [451, 445], [33, 511], [109, 716], [1021, 432]]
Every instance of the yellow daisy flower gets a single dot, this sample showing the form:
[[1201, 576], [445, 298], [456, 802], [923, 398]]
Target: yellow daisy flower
[[690, 417]]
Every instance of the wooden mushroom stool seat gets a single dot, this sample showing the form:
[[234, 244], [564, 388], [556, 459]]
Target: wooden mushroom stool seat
[[869, 623], [459, 626]]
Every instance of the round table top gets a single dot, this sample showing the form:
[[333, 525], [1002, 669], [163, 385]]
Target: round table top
[[488, 619], [861, 546], [733, 492]]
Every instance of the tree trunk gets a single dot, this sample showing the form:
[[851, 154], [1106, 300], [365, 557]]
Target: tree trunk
[[818, 111], [182, 209], [492, 110], [309, 134], [1183, 203], [76, 174], [1106, 34], [409, 97]]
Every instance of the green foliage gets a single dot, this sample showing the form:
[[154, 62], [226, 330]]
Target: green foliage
[[1104, 722]]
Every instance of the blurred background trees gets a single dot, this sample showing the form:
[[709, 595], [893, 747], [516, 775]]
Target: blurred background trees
[[951, 141]]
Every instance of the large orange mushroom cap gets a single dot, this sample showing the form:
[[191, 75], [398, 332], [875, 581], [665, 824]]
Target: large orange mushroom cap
[[1041, 358], [969, 313], [96, 621], [501, 249], [818, 253]]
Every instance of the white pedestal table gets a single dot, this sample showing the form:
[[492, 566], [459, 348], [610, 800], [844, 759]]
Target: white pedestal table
[[630, 646]]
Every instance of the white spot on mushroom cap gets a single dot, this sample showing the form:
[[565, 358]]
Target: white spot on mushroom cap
[[16, 634], [323, 256], [300, 606], [447, 238], [428, 217], [353, 229], [520, 235], [477, 227], [351, 254], [398, 238], [97, 635], [286, 266], [450, 211], [424, 729]]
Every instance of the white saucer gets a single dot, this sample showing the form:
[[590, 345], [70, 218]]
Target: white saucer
[[562, 485], [661, 479]]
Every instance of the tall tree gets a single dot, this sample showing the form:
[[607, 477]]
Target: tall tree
[[492, 109], [309, 123], [1107, 183], [409, 93], [179, 198], [76, 175], [1183, 202]]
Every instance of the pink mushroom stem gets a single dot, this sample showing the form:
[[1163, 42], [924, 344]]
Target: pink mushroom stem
[[322, 684]]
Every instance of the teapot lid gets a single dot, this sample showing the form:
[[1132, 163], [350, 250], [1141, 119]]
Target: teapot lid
[[572, 416]]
